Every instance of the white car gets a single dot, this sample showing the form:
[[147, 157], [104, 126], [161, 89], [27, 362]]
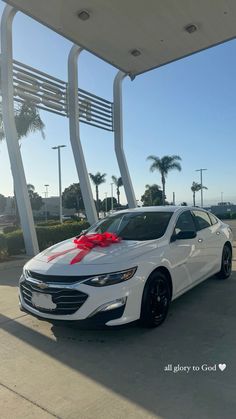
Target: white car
[[160, 253]]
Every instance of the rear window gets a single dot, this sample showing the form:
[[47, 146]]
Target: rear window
[[202, 219], [213, 219], [135, 226]]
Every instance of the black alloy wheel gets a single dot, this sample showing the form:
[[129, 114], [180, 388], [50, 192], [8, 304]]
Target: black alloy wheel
[[155, 301], [226, 263]]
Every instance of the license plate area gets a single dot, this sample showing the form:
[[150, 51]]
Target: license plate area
[[41, 300]]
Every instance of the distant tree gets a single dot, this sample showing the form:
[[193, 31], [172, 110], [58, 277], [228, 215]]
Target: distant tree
[[3, 202], [118, 183], [35, 199], [164, 165], [98, 179], [36, 202], [109, 201], [27, 120], [184, 204], [152, 196], [72, 197], [196, 187]]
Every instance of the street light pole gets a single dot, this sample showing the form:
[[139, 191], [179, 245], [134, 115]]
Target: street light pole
[[173, 198], [46, 196], [58, 148], [111, 197], [106, 202], [201, 170]]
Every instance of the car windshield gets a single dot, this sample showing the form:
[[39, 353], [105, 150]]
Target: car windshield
[[134, 225]]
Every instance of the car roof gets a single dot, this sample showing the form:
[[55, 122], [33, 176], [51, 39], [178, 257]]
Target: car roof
[[160, 208]]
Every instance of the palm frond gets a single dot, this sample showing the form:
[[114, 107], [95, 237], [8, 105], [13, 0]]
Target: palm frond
[[98, 178]]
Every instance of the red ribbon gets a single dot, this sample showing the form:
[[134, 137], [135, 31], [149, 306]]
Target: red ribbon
[[86, 243]]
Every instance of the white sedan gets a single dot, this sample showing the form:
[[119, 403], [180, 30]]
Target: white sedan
[[127, 267]]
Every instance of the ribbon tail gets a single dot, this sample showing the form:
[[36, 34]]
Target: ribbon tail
[[56, 255], [79, 256]]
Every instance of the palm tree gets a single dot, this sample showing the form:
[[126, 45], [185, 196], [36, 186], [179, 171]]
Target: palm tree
[[27, 120], [118, 182], [196, 187], [97, 179], [164, 165]]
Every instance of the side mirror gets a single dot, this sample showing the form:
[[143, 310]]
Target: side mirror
[[184, 235]]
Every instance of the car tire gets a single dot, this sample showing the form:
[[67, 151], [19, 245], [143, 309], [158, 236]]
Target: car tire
[[155, 301], [226, 263]]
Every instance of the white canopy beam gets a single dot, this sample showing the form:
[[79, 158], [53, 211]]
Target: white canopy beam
[[76, 145], [118, 136], [17, 168]]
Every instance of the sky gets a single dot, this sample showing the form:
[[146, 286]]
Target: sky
[[186, 108]]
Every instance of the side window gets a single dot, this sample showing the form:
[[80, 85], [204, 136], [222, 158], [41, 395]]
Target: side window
[[202, 219], [185, 223], [213, 219]]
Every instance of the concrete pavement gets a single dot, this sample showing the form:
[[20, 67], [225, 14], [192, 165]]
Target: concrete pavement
[[64, 372]]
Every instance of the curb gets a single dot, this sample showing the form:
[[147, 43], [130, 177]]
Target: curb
[[19, 263]]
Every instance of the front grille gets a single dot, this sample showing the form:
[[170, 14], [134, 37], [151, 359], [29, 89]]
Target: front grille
[[58, 278], [67, 301]]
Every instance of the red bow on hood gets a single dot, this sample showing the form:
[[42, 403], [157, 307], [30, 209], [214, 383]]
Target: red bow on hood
[[86, 243]]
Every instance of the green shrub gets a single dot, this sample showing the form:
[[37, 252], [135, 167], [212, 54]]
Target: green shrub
[[47, 236], [15, 243], [48, 223], [224, 216], [9, 229], [233, 215], [3, 245]]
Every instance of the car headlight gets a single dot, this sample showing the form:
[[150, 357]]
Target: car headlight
[[112, 278]]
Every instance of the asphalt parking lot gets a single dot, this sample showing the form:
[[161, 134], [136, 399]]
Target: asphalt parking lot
[[64, 372]]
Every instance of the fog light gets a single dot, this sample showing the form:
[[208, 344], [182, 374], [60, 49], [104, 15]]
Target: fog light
[[110, 306]]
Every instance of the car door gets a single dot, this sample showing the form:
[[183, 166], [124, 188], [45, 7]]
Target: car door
[[209, 236], [185, 255]]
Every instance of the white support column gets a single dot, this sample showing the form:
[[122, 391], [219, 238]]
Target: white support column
[[73, 103], [118, 134], [17, 168]]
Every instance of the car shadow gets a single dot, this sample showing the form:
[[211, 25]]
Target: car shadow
[[136, 363]]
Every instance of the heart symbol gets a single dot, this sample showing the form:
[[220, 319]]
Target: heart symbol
[[222, 367]]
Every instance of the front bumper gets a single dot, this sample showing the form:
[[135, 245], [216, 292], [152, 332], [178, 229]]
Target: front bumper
[[93, 299], [97, 320]]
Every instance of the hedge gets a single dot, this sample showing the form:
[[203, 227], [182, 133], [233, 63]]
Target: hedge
[[9, 229], [47, 236], [3, 245], [223, 216], [48, 223]]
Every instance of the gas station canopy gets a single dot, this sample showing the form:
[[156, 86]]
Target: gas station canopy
[[136, 35]]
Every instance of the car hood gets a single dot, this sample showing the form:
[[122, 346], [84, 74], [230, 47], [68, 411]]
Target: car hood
[[64, 252]]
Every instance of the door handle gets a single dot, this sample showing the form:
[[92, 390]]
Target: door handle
[[200, 240]]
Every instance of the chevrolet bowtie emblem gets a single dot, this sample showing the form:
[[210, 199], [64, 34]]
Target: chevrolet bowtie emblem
[[42, 285]]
